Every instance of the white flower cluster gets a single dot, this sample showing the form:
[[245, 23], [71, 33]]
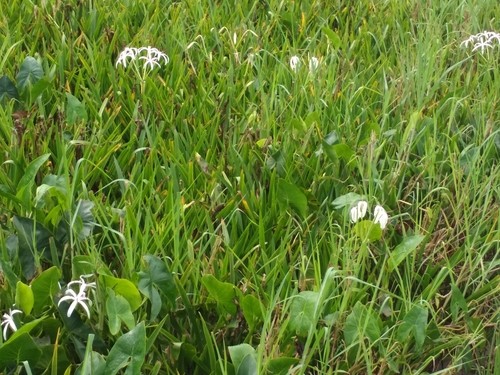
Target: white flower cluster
[[295, 63], [78, 298], [152, 57], [8, 322], [482, 41], [358, 211]]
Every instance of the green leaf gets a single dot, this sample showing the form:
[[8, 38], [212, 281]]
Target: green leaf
[[18, 349], [223, 293], [83, 265], [414, 322], [33, 238], [125, 288], [367, 230], [84, 223], [30, 72], [361, 323], [244, 359], [291, 195], [93, 363], [348, 200], [24, 185], [302, 312], [252, 310], [75, 110], [27, 327], [343, 151], [129, 350], [404, 249], [457, 303], [24, 297], [156, 276], [38, 88], [7, 88], [44, 287], [118, 310], [281, 366], [332, 37]]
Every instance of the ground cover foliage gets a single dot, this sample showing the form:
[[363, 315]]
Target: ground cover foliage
[[195, 216]]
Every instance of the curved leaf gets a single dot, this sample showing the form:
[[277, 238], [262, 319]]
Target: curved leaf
[[30, 72]]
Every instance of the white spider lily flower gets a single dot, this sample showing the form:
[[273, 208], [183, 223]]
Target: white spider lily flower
[[83, 284], [358, 211], [313, 64], [8, 322], [380, 216], [295, 63], [76, 299], [482, 41], [153, 57], [79, 298]]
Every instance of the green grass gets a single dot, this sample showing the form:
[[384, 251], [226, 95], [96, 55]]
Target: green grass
[[225, 162]]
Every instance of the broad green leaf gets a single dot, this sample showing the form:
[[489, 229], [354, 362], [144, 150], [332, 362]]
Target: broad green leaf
[[183, 349], [33, 238], [248, 366], [291, 195], [281, 366], [118, 311], [343, 151], [78, 328], [361, 323], [84, 223], [125, 288], [367, 230], [93, 363], [312, 118], [223, 293], [157, 274], [26, 182], [415, 323], [348, 200], [7, 88], [83, 265], [302, 312], [24, 297], [30, 72], [27, 327], [129, 350], [44, 287], [252, 310], [404, 249], [244, 359], [332, 37], [20, 348], [75, 110], [38, 88]]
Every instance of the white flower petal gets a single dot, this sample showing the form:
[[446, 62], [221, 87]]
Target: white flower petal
[[380, 216], [358, 211], [295, 63], [313, 64]]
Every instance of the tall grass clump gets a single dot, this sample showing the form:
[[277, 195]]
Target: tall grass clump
[[269, 187]]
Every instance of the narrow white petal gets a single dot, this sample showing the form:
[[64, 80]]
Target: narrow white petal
[[72, 307], [354, 214], [362, 208], [85, 308]]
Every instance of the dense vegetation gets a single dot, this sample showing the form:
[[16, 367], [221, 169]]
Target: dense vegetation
[[204, 212]]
